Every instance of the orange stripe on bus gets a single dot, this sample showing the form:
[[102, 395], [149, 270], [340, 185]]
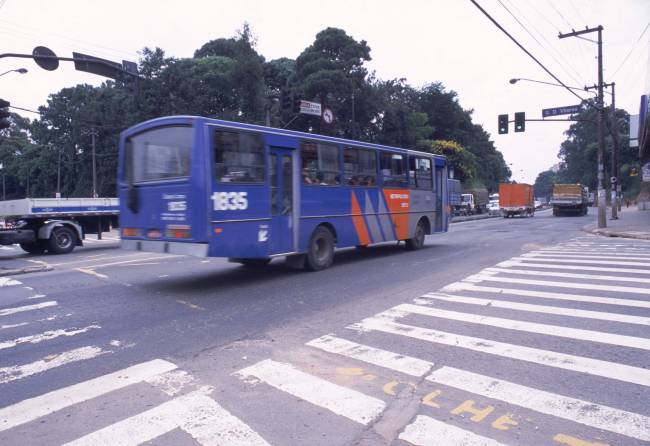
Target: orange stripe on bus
[[398, 201], [359, 223]]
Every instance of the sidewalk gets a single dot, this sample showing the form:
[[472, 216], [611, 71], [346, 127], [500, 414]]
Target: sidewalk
[[632, 223], [14, 261]]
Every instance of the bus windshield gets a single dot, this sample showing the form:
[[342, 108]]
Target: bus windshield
[[159, 154]]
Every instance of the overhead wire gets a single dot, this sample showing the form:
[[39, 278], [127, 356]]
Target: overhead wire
[[634, 46], [560, 64], [524, 49]]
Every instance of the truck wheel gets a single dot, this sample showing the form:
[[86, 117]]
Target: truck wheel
[[320, 252], [33, 248], [62, 240], [417, 241]]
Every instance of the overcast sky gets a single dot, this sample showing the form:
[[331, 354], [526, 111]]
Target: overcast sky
[[448, 41]]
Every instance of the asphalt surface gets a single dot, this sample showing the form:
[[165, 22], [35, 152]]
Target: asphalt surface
[[446, 345]]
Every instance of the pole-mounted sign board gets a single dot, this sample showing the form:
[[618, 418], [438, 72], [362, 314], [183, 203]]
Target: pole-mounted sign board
[[567, 110], [310, 108]]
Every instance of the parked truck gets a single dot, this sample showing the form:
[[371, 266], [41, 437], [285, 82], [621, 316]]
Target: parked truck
[[516, 199], [55, 225], [569, 199], [475, 200]]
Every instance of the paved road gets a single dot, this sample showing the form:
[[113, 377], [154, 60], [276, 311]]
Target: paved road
[[515, 332]]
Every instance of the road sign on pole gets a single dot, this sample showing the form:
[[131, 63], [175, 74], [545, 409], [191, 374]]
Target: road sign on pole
[[567, 110], [310, 108]]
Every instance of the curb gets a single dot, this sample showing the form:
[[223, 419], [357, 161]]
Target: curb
[[622, 234], [26, 270], [472, 218]]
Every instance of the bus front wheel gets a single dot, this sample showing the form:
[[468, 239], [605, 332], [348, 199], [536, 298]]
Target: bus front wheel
[[320, 253]]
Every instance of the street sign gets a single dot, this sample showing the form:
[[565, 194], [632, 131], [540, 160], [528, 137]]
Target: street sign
[[567, 110], [45, 58], [310, 108], [96, 65]]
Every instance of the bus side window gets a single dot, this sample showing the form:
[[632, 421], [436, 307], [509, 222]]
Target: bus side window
[[360, 167], [423, 174], [320, 164], [239, 157], [393, 170]]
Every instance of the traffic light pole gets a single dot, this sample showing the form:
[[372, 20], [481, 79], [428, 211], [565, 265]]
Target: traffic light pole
[[602, 204]]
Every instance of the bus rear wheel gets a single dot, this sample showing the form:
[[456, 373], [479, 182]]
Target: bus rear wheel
[[417, 241], [320, 252]]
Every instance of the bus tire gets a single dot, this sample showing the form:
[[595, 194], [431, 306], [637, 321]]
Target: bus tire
[[254, 263], [33, 248], [320, 252], [62, 240], [417, 241]]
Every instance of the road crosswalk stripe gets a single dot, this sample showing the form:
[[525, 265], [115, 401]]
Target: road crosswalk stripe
[[579, 261], [527, 264], [464, 286], [383, 358], [13, 373], [385, 322], [530, 327], [477, 278], [14, 310], [622, 422], [195, 413], [427, 431], [561, 311], [525, 272], [45, 336], [584, 256], [340, 400], [8, 281], [40, 406]]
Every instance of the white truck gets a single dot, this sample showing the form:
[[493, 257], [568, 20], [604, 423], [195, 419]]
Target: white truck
[[55, 225]]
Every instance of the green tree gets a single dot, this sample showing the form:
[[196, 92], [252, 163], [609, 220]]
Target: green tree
[[462, 161], [544, 183]]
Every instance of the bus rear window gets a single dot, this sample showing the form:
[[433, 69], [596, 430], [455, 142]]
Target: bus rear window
[[159, 154], [239, 157]]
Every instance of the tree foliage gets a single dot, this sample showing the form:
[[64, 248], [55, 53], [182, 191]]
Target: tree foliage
[[227, 78]]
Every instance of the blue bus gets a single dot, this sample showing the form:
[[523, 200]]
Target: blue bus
[[212, 188]]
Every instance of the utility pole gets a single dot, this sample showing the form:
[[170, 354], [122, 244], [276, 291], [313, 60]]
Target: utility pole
[[93, 133], [602, 204], [58, 177], [3, 181]]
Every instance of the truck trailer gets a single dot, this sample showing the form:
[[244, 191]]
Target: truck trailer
[[55, 225], [516, 199], [570, 199]]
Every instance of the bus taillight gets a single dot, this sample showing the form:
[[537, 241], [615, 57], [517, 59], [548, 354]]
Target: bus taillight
[[178, 231]]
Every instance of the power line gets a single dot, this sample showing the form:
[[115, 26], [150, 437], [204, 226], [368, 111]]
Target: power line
[[540, 44], [631, 49], [524, 49], [89, 123]]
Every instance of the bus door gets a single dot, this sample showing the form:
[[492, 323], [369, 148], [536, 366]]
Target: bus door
[[282, 200], [440, 191]]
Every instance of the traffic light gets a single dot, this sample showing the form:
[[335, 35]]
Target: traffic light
[[503, 124], [4, 114], [520, 121], [285, 99]]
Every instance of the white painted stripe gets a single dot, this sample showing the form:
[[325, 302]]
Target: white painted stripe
[[40, 406], [13, 373], [551, 283], [4, 327], [562, 311], [530, 327], [166, 256], [580, 261], [8, 311], [340, 400], [568, 275], [463, 286], [584, 256], [426, 431], [621, 422], [384, 322], [45, 336], [195, 413], [382, 358], [37, 296], [8, 281], [526, 263]]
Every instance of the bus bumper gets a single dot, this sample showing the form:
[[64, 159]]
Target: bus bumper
[[163, 247]]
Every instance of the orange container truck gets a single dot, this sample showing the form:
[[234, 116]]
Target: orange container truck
[[516, 199]]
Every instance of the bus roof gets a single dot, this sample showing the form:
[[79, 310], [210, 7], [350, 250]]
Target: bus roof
[[188, 119]]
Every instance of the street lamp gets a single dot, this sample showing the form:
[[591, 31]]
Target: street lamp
[[18, 70], [517, 79]]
